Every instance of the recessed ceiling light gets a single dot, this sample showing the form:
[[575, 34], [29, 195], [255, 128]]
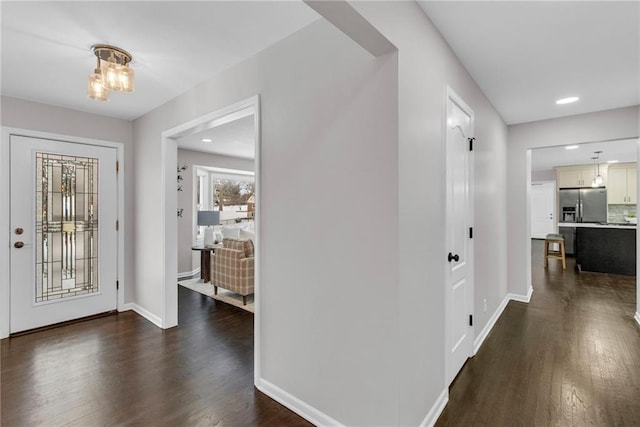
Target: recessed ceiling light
[[571, 147], [567, 100], [612, 161], [206, 140]]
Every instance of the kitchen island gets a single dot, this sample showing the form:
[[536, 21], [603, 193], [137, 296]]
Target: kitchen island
[[604, 247]]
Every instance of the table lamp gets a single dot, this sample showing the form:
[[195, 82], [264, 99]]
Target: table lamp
[[208, 218]]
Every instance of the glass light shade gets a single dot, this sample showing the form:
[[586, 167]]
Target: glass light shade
[[96, 89], [126, 79], [599, 180], [111, 76]]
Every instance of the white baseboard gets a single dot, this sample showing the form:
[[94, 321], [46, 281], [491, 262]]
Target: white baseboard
[[301, 408], [637, 317], [521, 298], [142, 312], [125, 307], [490, 324], [188, 274], [436, 409], [477, 343]]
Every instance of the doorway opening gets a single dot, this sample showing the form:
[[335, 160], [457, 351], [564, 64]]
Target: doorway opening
[[594, 188], [187, 133]]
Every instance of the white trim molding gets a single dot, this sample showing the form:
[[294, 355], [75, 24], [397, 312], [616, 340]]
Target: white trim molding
[[436, 409], [298, 406], [188, 274], [637, 317], [522, 298], [490, 324], [142, 312]]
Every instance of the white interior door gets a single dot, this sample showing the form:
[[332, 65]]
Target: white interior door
[[543, 202], [459, 219], [63, 231]]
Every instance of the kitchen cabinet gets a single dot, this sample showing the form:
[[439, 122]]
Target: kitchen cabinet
[[622, 187], [579, 176]]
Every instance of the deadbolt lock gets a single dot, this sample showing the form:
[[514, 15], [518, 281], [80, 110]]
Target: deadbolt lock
[[18, 245], [19, 230]]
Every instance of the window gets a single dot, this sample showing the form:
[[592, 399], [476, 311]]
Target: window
[[234, 198], [231, 192]]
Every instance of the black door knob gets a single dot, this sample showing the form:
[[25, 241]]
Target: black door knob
[[453, 257]]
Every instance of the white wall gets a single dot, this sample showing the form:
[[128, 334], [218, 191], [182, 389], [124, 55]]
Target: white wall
[[189, 260], [329, 288], [23, 114], [426, 67], [607, 125], [548, 175]]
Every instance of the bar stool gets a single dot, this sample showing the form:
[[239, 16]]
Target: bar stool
[[559, 254]]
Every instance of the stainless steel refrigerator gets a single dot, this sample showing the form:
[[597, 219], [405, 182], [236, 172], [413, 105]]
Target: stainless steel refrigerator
[[583, 205]]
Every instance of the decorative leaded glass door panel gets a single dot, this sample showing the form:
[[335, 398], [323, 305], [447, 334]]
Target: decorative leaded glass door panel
[[63, 217]]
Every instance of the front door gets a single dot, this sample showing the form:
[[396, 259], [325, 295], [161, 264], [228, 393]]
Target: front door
[[459, 218], [63, 231]]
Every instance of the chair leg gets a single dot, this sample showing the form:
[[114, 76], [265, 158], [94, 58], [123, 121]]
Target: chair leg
[[546, 254], [564, 261], [244, 300], [215, 290]]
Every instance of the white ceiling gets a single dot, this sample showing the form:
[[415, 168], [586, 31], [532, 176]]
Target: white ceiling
[[235, 138], [625, 150], [526, 55], [46, 54]]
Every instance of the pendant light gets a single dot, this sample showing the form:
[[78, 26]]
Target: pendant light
[[597, 179]]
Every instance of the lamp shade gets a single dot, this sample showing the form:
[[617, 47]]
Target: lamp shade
[[208, 217]]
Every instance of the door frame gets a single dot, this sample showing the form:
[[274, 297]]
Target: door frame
[[452, 95], [169, 219], [5, 212]]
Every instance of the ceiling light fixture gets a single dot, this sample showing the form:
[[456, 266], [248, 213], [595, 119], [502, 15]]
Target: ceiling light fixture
[[568, 100], [112, 73], [206, 140], [612, 161], [571, 147]]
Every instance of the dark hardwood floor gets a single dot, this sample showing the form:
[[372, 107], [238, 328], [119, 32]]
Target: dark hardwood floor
[[122, 370], [571, 357]]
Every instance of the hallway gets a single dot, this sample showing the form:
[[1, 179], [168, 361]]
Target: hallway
[[123, 370], [569, 357]]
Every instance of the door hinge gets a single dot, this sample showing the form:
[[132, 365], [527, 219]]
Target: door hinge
[[471, 232], [117, 225], [471, 143], [117, 166], [117, 284], [471, 320]]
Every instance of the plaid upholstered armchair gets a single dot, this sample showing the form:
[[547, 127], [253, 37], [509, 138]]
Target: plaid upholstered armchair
[[232, 267]]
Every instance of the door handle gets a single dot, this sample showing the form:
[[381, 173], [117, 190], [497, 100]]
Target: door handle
[[18, 244], [453, 257], [19, 230]]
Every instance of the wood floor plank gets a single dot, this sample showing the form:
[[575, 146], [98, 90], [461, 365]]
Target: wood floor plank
[[122, 370], [569, 357]]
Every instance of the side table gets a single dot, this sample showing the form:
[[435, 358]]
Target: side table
[[205, 260]]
